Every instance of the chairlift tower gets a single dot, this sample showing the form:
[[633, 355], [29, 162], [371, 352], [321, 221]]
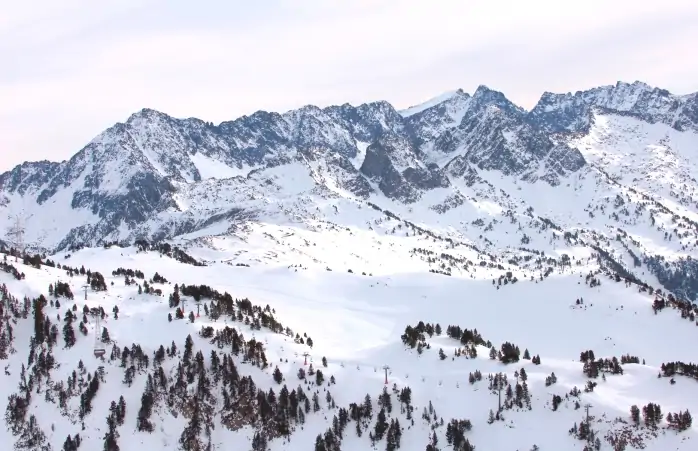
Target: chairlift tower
[[99, 350], [17, 231], [85, 287], [386, 368], [587, 406]]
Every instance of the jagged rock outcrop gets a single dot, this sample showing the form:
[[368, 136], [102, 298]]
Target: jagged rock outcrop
[[155, 176], [572, 112]]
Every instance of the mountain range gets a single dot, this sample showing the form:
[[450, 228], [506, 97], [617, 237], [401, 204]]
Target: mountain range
[[155, 177], [462, 274]]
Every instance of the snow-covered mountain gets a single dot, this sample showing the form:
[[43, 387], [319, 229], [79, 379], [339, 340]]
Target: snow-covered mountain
[[612, 161], [349, 233]]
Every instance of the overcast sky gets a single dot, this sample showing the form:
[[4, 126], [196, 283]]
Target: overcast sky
[[71, 68]]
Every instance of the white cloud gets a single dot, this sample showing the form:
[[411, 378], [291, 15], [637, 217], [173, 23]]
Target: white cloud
[[78, 66]]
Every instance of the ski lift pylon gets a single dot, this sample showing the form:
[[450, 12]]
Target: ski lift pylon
[[99, 350]]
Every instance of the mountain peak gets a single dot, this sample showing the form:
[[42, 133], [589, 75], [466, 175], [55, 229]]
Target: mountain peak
[[635, 84], [482, 90], [485, 93], [489, 99], [147, 113], [572, 112], [446, 96]]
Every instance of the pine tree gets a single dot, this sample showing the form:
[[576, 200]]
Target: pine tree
[[686, 420], [190, 435], [259, 442], [105, 336], [635, 415], [32, 437], [653, 414], [278, 377], [381, 425], [69, 334], [174, 297], [316, 402], [368, 406], [143, 422], [39, 319], [523, 375], [112, 435], [320, 444], [121, 411]]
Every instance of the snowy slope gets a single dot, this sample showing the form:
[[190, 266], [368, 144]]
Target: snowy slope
[[352, 223], [411, 111], [355, 322]]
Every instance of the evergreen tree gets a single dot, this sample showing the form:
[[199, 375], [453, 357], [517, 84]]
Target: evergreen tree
[[652, 414], [105, 336], [316, 402], [143, 422], [112, 435], [278, 377], [320, 444], [368, 406], [39, 319], [174, 297], [190, 435], [493, 353], [32, 437], [121, 411], [69, 334], [635, 415], [259, 442], [381, 425]]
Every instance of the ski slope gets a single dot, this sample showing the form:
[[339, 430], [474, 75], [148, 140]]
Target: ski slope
[[356, 322]]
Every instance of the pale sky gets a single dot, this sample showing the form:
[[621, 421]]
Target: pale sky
[[71, 68]]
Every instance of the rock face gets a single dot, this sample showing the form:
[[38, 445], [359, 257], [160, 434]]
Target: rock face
[[158, 177], [136, 171], [572, 112]]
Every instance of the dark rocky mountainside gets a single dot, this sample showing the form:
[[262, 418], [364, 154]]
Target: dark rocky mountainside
[[157, 177]]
